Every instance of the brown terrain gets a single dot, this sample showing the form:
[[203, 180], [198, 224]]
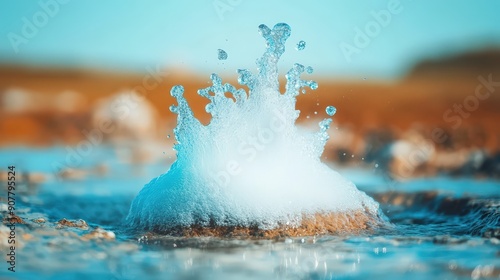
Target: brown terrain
[[47, 106]]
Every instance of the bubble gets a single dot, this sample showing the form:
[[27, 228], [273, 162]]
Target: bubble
[[301, 45], [222, 55], [330, 110]]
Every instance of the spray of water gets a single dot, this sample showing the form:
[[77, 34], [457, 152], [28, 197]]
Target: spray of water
[[251, 165]]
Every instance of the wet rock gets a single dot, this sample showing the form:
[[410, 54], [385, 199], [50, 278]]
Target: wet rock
[[99, 233], [492, 233], [13, 219], [39, 220], [491, 166], [77, 224]]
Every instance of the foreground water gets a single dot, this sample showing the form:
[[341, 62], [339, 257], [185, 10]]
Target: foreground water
[[443, 228]]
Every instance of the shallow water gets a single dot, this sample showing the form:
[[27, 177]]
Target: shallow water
[[442, 228]]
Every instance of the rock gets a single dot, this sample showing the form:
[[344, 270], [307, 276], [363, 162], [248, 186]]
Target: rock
[[39, 220], [99, 233], [77, 224], [13, 219], [492, 233], [318, 224]]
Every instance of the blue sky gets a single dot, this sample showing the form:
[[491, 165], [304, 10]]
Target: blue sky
[[132, 35]]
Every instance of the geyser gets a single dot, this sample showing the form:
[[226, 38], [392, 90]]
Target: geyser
[[251, 170]]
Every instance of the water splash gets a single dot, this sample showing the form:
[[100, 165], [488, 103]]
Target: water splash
[[251, 165]]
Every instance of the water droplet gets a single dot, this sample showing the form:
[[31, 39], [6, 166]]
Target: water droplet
[[222, 55], [168, 136], [308, 117], [177, 91], [352, 156], [376, 165], [309, 70], [315, 112], [314, 85], [303, 91], [301, 45], [330, 110]]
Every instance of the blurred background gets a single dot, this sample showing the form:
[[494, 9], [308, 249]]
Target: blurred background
[[84, 84]]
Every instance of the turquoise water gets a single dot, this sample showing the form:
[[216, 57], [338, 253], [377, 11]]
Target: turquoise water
[[443, 228]]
